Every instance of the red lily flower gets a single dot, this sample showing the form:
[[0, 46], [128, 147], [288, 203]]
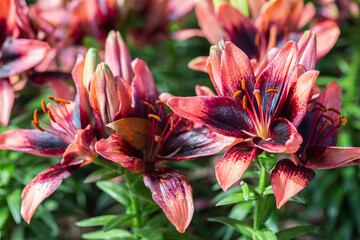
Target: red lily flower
[[69, 135], [266, 109], [271, 26], [319, 129], [145, 135]]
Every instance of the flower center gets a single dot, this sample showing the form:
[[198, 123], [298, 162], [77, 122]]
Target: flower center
[[62, 125], [257, 116]]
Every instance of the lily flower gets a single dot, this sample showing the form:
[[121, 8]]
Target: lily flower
[[269, 26], [69, 135], [145, 135], [319, 130], [266, 110]]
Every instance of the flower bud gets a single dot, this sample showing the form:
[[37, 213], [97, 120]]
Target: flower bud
[[92, 59]]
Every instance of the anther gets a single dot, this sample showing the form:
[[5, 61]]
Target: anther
[[244, 102], [318, 108], [36, 125], [154, 116], [258, 97], [150, 106], [257, 39], [272, 91], [243, 84], [327, 117], [60, 100], [344, 120], [321, 105], [256, 79], [159, 101], [334, 110], [36, 119], [171, 123], [236, 94], [51, 116], [340, 121], [51, 98], [43, 106]]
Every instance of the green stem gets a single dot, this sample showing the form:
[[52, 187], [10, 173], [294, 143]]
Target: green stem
[[104, 163], [257, 210], [134, 203]]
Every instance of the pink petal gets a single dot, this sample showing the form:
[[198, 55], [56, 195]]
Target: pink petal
[[234, 163], [331, 157], [7, 96], [42, 186], [20, 55], [203, 91], [185, 34], [118, 150], [273, 12], [179, 8], [284, 138], [221, 114], [173, 193], [214, 69], [307, 14], [208, 22], [199, 64], [287, 179], [235, 66], [307, 49]]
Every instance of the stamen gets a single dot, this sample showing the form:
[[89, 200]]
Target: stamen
[[60, 100], [36, 125], [243, 84], [171, 123], [236, 94], [258, 97], [150, 106], [36, 119], [51, 116], [51, 98], [344, 120], [334, 110], [159, 101], [339, 121], [256, 79], [272, 91], [327, 117], [43, 106], [154, 116], [318, 108], [244, 102], [257, 39], [321, 105]]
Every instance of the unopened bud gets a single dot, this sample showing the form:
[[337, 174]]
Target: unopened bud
[[92, 59]]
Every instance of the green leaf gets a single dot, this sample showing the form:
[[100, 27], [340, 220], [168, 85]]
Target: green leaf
[[4, 214], [6, 170], [102, 174], [118, 221], [239, 226], [290, 233], [265, 234], [149, 234], [112, 234], [172, 234], [267, 161], [14, 203], [236, 198], [267, 205], [246, 191], [95, 221], [116, 190], [141, 191]]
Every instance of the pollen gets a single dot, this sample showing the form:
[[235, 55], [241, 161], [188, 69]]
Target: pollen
[[36, 119], [58, 100], [334, 110], [256, 79], [258, 97], [171, 123], [340, 121], [36, 125], [43, 106], [236, 94], [257, 39], [244, 102], [344, 120], [243, 84], [272, 91], [159, 101], [154, 116], [150, 106]]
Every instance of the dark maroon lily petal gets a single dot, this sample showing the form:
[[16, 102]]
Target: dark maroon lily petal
[[20, 55], [173, 193], [241, 31], [296, 104], [7, 96], [287, 179], [235, 66], [83, 147], [199, 64], [283, 138], [234, 163], [124, 95], [82, 110], [221, 114], [327, 33], [331, 157], [208, 22], [118, 150], [143, 88], [33, 141], [42, 186], [275, 76], [194, 143]]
